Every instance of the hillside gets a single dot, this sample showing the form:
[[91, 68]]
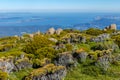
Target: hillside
[[68, 54]]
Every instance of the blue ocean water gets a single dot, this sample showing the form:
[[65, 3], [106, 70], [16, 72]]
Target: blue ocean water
[[17, 23]]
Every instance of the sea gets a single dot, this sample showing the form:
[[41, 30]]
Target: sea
[[18, 23]]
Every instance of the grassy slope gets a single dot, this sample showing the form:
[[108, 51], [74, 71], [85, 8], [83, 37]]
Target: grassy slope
[[20, 74], [76, 74]]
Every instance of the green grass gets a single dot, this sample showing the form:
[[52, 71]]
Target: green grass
[[20, 74], [77, 74], [12, 52]]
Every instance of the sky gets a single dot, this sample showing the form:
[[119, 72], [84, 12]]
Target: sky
[[61, 5]]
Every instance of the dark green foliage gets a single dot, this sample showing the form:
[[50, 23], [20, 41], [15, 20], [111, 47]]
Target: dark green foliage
[[109, 31], [72, 31], [36, 63], [94, 31]]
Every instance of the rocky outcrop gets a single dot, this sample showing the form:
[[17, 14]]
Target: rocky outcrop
[[6, 65], [74, 38], [22, 64], [103, 62], [53, 39], [65, 59], [100, 38], [59, 45], [111, 27], [52, 31], [48, 72], [11, 64], [80, 56], [58, 31]]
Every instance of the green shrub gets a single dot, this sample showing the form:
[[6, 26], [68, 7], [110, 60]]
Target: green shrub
[[72, 31], [94, 31], [69, 47], [117, 40], [50, 68], [91, 70], [6, 47], [38, 41], [45, 52], [104, 45]]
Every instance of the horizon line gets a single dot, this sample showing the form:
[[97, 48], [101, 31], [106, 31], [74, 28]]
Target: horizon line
[[62, 10]]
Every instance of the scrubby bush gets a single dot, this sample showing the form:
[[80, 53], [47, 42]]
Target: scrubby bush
[[46, 70], [40, 63], [45, 52], [109, 31], [104, 46], [6, 47], [38, 41], [117, 40], [92, 71], [72, 31], [99, 46], [103, 63], [94, 31], [69, 47], [3, 76]]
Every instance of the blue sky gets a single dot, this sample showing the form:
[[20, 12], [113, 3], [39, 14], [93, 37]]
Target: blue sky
[[61, 5]]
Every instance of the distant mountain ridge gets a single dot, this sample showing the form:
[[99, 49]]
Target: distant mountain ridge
[[17, 23], [100, 22]]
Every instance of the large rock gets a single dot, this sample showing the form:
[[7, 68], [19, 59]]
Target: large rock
[[82, 55], [74, 38], [51, 31], [53, 39], [48, 72], [6, 65], [103, 62], [23, 64], [11, 64], [58, 31], [65, 59], [100, 38], [82, 39], [113, 27]]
